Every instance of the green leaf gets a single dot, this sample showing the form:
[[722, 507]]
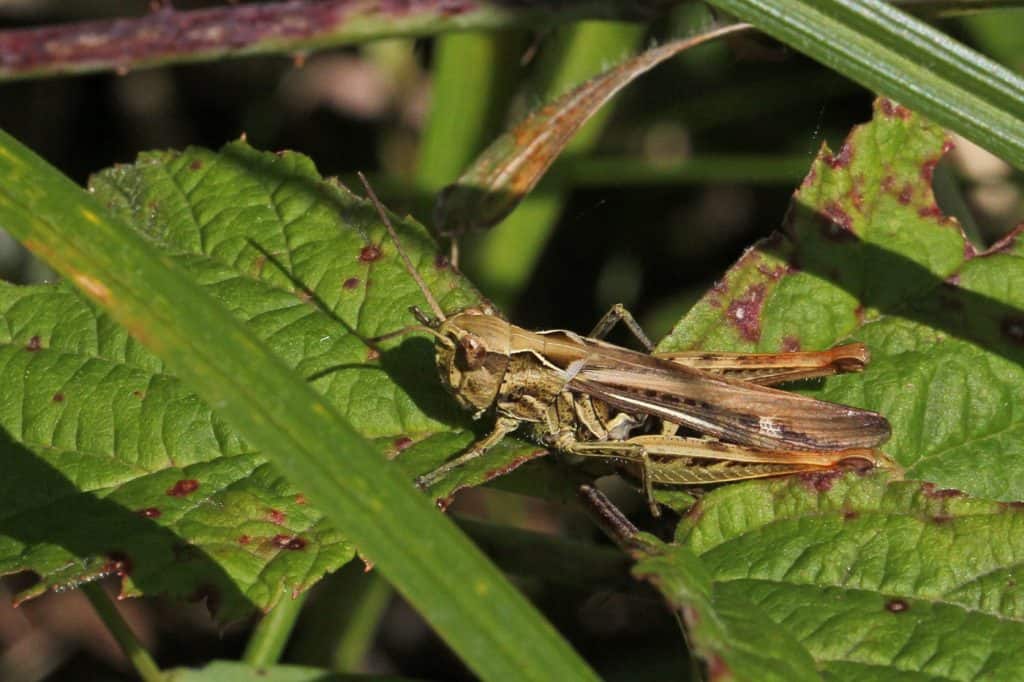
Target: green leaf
[[876, 579], [230, 227], [729, 632], [515, 162]]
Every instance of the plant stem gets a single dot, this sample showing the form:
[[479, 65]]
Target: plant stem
[[168, 36], [140, 659], [269, 638], [364, 616]]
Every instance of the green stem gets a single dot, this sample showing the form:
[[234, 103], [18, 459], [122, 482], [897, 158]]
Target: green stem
[[364, 616], [269, 638], [472, 76], [506, 256], [140, 659], [285, 28]]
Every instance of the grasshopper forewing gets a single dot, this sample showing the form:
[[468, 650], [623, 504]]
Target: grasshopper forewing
[[587, 397]]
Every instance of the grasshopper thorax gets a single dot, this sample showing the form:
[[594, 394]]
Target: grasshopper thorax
[[472, 354]]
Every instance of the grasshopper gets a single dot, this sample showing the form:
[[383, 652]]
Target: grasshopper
[[584, 396]]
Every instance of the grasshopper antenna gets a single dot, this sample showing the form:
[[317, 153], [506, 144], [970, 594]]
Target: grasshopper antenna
[[398, 245]]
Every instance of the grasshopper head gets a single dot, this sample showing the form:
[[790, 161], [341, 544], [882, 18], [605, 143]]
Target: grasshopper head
[[472, 353]]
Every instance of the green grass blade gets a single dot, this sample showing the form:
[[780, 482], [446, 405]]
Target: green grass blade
[[436, 568], [888, 50]]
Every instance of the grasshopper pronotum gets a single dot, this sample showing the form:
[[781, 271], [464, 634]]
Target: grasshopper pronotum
[[586, 397]]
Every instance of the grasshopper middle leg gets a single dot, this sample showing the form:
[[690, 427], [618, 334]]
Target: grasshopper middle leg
[[502, 427]]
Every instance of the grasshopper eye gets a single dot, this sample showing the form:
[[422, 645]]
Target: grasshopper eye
[[472, 352]]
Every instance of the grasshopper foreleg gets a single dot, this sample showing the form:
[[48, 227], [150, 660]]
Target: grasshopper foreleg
[[502, 427]]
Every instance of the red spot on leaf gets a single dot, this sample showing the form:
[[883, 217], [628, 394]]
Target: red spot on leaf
[[790, 344], [928, 169], [196, 165], [932, 211], [351, 283], [906, 194], [34, 344], [402, 443], [289, 542], [118, 563], [184, 487], [931, 492], [300, 499], [58, 397], [275, 516], [244, 539], [842, 159], [150, 512], [372, 354], [370, 253], [896, 606], [856, 195], [820, 481], [839, 226], [745, 312], [893, 110], [441, 262], [941, 518], [850, 514]]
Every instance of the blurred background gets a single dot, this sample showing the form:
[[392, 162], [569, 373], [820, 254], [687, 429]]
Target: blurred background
[[650, 204]]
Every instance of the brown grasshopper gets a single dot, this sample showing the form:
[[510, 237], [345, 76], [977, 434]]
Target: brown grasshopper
[[586, 397]]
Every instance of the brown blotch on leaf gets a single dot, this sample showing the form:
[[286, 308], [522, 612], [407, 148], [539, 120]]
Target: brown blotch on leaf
[[370, 253], [745, 312], [441, 262], [351, 283], [934, 493], [839, 226], [289, 542], [820, 481], [184, 487], [896, 606], [790, 344], [850, 514], [150, 512], [138, 394], [891, 109], [195, 165], [402, 443], [58, 397], [300, 499], [34, 344], [244, 539], [372, 354], [941, 518], [304, 295], [840, 160], [275, 516]]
